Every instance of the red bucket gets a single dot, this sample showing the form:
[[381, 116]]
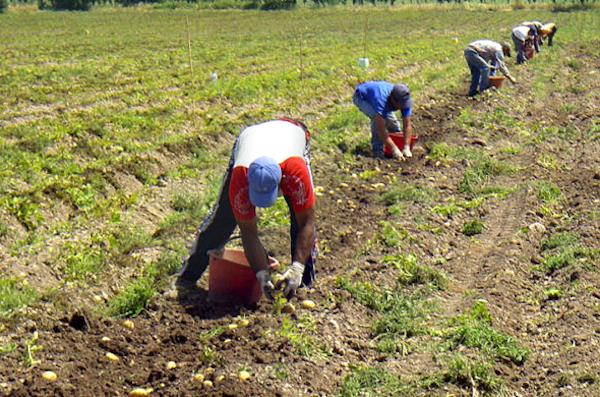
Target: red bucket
[[398, 139], [231, 279]]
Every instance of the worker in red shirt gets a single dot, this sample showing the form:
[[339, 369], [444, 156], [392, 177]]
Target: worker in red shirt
[[267, 159]]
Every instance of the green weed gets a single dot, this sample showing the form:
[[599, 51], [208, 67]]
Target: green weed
[[297, 335], [476, 176], [390, 235], [31, 347], [467, 373], [474, 329], [137, 294], [405, 192], [14, 295], [372, 381], [446, 210], [472, 228], [411, 272], [7, 348]]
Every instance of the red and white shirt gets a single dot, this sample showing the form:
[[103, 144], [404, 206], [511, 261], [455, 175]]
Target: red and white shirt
[[283, 141]]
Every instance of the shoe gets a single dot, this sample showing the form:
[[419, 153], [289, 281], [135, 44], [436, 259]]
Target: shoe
[[406, 152], [380, 155]]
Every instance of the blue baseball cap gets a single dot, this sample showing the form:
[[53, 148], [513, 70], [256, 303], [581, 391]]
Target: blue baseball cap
[[264, 175]]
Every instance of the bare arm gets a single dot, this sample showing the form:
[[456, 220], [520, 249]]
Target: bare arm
[[255, 252], [382, 132], [306, 235], [407, 130]]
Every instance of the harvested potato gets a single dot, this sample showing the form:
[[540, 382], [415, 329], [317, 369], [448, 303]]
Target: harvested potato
[[105, 339], [50, 376], [171, 365], [232, 326], [208, 384], [112, 356], [128, 324], [139, 392], [308, 304], [244, 375], [244, 322], [219, 378], [198, 377]]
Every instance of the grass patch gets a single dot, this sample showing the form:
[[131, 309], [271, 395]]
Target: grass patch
[[390, 236], [298, 335], [137, 294], [411, 272], [474, 329], [446, 210], [479, 174], [467, 373], [14, 295], [372, 381], [548, 192], [406, 192], [472, 228], [564, 249]]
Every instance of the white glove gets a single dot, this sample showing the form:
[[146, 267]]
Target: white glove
[[291, 278], [406, 152], [397, 154], [266, 283]]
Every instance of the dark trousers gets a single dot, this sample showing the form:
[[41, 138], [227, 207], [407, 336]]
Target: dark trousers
[[219, 225], [520, 48]]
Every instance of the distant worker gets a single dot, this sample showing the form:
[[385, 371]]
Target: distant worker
[[267, 158], [482, 57], [536, 28], [378, 100], [522, 37], [549, 30]]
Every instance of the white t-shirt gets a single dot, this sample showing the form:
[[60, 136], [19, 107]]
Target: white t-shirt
[[277, 139], [521, 32]]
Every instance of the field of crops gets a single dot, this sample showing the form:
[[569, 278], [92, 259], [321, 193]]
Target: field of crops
[[432, 278]]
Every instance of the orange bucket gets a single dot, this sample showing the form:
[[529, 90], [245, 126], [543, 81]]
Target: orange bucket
[[230, 277], [398, 139], [497, 81]]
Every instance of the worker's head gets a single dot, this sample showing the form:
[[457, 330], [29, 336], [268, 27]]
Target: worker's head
[[400, 97], [506, 49], [264, 175]]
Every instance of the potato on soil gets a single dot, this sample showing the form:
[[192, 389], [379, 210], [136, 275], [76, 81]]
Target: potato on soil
[[244, 375], [198, 377], [244, 322], [308, 304], [208, 384], [139, 392], [171, 365], [112, 356], [128, 324], [50, 376]]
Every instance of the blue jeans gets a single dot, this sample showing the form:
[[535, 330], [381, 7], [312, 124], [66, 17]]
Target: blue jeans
[[391, 123], [480, 71], [520, 47]]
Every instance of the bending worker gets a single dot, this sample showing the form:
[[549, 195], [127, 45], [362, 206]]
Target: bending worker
[[548, 30], [522, 36], [483, 56], [266, 158], [536, 28], [378, 100]]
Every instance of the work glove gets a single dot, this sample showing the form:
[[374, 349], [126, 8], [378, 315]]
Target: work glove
[[266, 283], [406, 152], [397, 154], [291, 279]]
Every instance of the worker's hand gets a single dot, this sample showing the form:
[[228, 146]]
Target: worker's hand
[[397, 154], [291, 279], [406, 152], [266, 283]]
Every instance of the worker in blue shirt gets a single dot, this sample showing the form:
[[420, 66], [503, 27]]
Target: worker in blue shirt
[[378, 100]]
